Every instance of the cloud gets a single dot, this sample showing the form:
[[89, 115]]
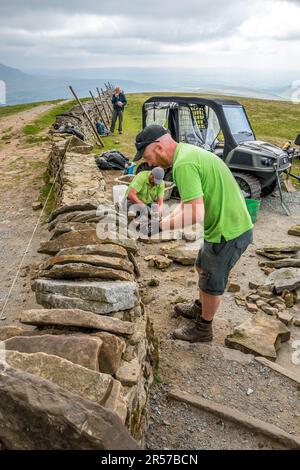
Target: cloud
[[128, 8], [81, 34], [281, 22]]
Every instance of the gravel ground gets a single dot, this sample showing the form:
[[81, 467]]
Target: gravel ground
[[21, 170], [175, 425], [226, 377], [271, 204]]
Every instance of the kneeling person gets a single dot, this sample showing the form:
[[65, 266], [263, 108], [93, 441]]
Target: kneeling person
[[147, 188]]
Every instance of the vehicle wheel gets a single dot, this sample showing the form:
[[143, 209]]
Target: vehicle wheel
[[249, 184], [269, 189]]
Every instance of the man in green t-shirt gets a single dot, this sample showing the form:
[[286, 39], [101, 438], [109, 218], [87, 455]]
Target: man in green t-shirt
[[209, 195], [147, 187]]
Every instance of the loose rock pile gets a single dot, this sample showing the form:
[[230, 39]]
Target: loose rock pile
[[268, 328]]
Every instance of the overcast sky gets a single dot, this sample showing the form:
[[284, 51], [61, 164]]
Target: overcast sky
[[95, 33]]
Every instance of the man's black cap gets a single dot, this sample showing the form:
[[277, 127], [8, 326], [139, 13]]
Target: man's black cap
[[148, 135]]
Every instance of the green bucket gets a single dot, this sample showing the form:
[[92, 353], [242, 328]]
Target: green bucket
[[253, 206]]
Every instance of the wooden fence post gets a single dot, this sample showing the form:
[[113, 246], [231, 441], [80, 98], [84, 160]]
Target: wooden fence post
[[98, 138]]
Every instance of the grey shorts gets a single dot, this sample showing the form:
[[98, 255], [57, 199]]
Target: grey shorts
[[216, 261]]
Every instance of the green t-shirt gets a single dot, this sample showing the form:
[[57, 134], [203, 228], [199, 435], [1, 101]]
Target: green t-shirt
[[199, 173], [144, 190]]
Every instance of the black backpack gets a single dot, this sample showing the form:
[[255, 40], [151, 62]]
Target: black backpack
[[111, 160]]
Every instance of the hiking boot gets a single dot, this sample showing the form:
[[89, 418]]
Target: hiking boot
[[189, 310], [199, 332]]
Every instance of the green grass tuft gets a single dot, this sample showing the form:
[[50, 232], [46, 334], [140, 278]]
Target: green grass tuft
[[45, 120], [47, 191]]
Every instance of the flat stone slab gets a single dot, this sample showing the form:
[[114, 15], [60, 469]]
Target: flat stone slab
[[284, 278], [64, 227], [182, 254], [86, 216], [83, 270], [86, 383], [62, 302], [65, 218], [8, 331], [58, 419], [78, 349], [76, 217], [104, 296], [95, 260], [111, 352], [129, 373], [261, 335], [83, 205], [158, 261], [285, 317], [294, 230], [282, 263], [76, 317], [81, 238], [101, 250], [282, 247], [75, 143], [274, 256]]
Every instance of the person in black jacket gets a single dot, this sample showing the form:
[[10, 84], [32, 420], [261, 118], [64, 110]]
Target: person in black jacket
[[119, 101]]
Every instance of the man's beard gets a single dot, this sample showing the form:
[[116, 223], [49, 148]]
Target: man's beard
[[162, 161]]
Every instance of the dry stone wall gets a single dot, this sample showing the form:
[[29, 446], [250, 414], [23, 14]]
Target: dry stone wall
[[73, 172], [101, 111], [92, 346], [66, 155]]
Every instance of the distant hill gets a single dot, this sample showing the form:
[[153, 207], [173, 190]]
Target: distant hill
[[251, 82], [40, 85], [236, 91], [24, 88]]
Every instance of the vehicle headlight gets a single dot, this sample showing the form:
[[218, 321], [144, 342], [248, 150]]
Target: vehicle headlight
[[266, 161], [284, 160]]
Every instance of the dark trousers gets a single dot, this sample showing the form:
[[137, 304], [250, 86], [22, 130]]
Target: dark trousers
[[117, 113], [216, 261]]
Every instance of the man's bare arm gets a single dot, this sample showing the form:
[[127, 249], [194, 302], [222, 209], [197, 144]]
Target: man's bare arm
[[188, 213], [160, 203], [132, 195]]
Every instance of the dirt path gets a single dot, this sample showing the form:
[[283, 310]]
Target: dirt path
[[19, 120], [21, 179], [205, 369]]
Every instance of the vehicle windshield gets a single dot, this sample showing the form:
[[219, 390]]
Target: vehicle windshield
[[238, 123], [158, 113]]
